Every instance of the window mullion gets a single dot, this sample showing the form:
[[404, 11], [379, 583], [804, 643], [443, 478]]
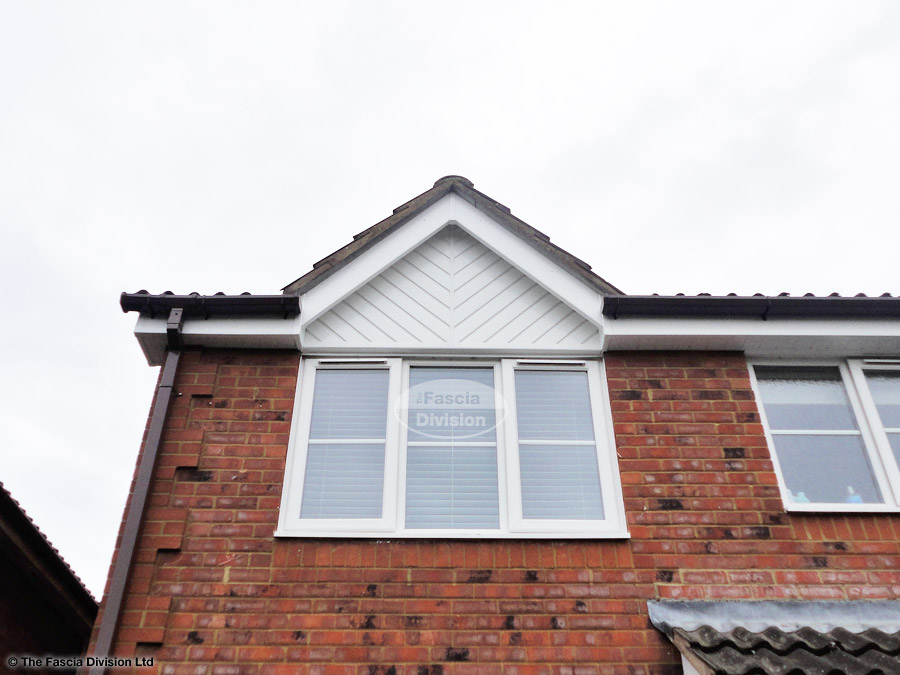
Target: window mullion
[[399, 407], [503, 487], [511, 435]]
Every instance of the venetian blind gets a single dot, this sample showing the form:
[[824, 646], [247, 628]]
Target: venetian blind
[[345, 458], [557, 450], [451, 465]]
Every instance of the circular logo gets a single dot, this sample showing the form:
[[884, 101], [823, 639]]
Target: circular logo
[[448, 405]]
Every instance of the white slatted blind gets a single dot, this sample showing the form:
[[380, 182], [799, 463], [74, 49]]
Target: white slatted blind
[[557, 450], [451, 465], [452, 487], [345, 458]]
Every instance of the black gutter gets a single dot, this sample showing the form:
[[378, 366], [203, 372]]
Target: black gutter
[[204, 306], [113, 607], [754, 307]]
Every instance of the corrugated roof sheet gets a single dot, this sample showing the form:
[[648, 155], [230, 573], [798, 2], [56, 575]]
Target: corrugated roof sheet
[[783, 637], [775, 652]]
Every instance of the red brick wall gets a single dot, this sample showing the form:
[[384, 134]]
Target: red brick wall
[[214, 593]]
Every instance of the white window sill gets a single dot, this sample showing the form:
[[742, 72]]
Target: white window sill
[[449, 534], [841, 508]]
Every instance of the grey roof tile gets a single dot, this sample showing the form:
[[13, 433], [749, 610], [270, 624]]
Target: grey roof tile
[[466, 190], [803, 652]]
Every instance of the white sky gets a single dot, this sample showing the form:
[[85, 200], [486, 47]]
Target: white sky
[[221, 146]]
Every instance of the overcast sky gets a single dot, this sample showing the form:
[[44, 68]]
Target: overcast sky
[[220, 146]]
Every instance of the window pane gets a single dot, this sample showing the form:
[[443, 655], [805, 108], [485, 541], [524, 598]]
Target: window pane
[[895, 446], [804, 398], [452, 487], [885, 388], [560, 482], [827, 469], [447, 404], [343, 480], [553, 405], [349, 404]]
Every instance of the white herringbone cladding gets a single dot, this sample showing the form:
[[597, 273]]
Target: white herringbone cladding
[[455, 291]]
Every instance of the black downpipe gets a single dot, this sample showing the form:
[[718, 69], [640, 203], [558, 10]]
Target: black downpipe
[[113, 609]]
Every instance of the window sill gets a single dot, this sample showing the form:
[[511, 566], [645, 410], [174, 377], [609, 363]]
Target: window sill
[[841, 508], [445, 534]]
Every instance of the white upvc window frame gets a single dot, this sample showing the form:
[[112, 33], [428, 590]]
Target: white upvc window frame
[[604, 442], [871, 432], [295, 470], [512, 525]]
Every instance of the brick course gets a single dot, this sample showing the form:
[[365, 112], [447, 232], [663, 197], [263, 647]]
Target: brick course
[[212, 592]]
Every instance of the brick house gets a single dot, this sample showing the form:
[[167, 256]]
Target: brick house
[[453, 448]]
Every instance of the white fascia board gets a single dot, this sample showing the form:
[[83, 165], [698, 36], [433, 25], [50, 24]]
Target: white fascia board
[[772, 338], [452, 210], [231, 332]]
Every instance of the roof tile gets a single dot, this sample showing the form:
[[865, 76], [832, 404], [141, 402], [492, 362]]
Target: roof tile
[[802, 652]]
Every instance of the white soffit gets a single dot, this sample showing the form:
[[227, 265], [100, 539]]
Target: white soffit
[[237, 332], [451, 277]]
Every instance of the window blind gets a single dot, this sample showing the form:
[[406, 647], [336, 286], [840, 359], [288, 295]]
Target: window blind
[[558, 466], [344, 475], [451, 457], [452, 487]]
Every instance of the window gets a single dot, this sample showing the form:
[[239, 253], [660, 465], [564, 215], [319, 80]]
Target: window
[[452, 449], [835, 433]]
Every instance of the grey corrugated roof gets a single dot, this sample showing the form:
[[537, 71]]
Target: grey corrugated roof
[[444, 186], [784, 637], [774, 652]]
